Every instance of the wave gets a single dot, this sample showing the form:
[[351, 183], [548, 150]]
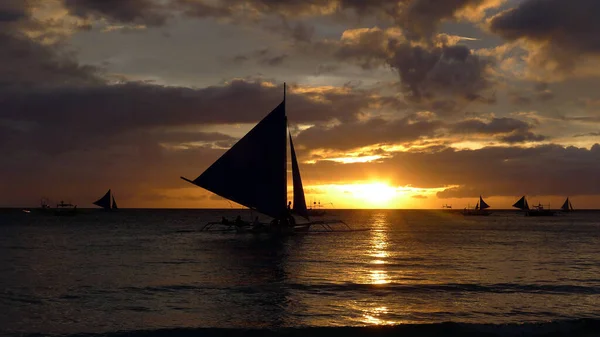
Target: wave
[[505, 288], [572, 328]]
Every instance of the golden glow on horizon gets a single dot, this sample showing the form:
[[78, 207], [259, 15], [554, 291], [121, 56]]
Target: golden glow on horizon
[[374, 194]]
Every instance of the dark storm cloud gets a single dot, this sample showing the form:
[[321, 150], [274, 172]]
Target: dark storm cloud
[[149, 12], [554, 171], [13, 10], [421, 18], [28, 64], [589, 134], [522, 137], [363, 133], [564, 30], [495, 126], [47, 94], [99, 111], [443, 77], [448, 70], [412, 128], [263, 56]]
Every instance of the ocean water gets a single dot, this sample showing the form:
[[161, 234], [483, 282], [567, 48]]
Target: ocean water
[[152, 272]]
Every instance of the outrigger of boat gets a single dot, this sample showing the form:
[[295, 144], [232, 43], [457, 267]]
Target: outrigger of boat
[[262, 227], [479, 210], [537, 210], [253, 173]]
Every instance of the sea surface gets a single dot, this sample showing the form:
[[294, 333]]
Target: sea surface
[[153, 272]]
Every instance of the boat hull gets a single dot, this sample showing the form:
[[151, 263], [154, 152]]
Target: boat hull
[[476, 213], [539, 213]]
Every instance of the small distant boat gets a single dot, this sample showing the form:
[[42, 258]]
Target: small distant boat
[[567, 207], [105, 203], [537, 210], [61, 208], [479, 210], [315, 209], [26, 211], [447, 206], [64, 209]]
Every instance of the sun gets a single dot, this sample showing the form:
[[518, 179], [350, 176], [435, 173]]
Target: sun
[[376, 193], [367, 194]]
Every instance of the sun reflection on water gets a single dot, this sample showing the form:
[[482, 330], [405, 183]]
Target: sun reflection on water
[[378, 251], [373, 316]]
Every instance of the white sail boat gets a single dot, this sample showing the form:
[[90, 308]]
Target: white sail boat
[[253, 173], [105, 201], [480, 209], [567, 207]]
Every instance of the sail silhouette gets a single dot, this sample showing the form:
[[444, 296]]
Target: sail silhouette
[[536, 210], [480, 209], [482, 204], [521, 204], [105, 201], [299, 199], [567, 207], [253, 172]]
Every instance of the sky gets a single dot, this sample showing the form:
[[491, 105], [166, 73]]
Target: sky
[[391, 103]]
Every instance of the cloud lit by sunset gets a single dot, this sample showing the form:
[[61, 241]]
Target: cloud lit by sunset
[[392, 104]]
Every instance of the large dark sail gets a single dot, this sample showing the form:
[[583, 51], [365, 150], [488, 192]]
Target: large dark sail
[[567, 206], [114, 203], [482, 204], [253, 172], [521, 204], [104, 202], [299, 200]]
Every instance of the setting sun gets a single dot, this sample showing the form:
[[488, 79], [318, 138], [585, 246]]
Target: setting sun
[[367, 195], [375, 193]]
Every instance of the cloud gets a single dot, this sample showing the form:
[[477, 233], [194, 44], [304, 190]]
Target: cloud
[[589, 134], [148, 12], [414, 128], [491, 171], [558, 35], [97, 112], [358, 134], [263, 56], [26, 64], [443, 77], [421, 18], [13, 11]]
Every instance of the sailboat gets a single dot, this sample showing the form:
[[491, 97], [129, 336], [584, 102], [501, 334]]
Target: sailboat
[[62, 208], [567, 207], [316, 209], [480, 209], [105, 201], [537, 210], [253, 173]]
